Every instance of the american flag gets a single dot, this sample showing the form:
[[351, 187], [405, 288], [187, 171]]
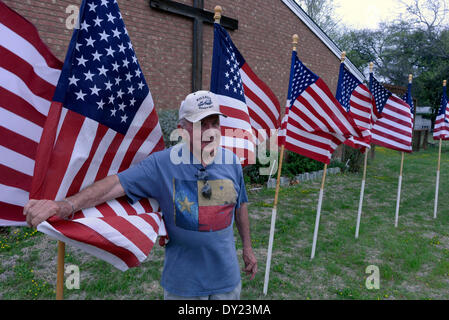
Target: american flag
[[251, 106], [263, 106], [356, 98], [316, 123], [441, 128], [101, 121], [393, 119], [28, 76], [409, 99]]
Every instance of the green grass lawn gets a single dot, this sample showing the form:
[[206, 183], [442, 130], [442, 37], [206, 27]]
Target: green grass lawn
[[413, 259]]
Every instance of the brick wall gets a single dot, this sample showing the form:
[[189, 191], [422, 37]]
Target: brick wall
[[163, 42]]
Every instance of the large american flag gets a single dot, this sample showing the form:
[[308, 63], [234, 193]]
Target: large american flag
[[357, 100], [441, 128], [251, 106], [102, 120], [315, 122], [28, 76], [393, 119]]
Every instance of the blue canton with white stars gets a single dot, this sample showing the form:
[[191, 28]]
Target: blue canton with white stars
[[301, 80], [103, 81], [380, 94], [408, 99], [227, 62], [347, 83], [443, 105]]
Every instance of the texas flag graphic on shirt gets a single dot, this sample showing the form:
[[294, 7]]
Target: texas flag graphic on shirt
[[196, 213]]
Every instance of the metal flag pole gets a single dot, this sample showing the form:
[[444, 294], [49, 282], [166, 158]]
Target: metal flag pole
[[318, 213], [276, 195], [437, 186]]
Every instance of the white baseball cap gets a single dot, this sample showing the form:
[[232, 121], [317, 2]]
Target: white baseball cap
[[199, 105]]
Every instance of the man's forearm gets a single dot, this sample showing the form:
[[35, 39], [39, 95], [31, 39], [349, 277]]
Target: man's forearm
[[101, 191], [37, 211], [242, 223]]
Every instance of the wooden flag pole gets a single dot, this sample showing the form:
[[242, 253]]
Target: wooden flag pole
[[398, 198], [60, 271], [437, 186], [318, 213], [276, 196], [362, 191]]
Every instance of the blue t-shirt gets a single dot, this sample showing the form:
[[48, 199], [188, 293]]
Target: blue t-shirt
[[200, 258]]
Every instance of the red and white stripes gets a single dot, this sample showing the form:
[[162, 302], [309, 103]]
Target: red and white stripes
[[317, 124], [28, 76], [441, 128], [263, 106], [394, 129], [361, 106]]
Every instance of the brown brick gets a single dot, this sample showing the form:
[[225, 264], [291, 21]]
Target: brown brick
[[163, 42]]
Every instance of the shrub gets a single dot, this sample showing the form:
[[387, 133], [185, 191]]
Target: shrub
[[168, 119], [352, 159], [252, 175], [295, 164]]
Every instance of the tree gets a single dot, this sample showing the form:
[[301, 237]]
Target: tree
[[430, 14], [417, 43], [323, 14]]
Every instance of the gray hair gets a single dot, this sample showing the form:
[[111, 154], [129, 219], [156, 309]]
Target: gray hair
[[183, 122]]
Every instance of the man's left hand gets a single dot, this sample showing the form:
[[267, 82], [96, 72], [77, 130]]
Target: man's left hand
[[250, 262]]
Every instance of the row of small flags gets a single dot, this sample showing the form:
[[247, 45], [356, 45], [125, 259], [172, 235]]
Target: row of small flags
[[67, 125]]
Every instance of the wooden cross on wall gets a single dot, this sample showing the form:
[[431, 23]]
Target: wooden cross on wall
[[199, 16]]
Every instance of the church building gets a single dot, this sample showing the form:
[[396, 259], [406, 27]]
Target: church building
[[173, 40]]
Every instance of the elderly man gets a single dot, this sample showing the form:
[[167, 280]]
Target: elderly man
[[199, 197]]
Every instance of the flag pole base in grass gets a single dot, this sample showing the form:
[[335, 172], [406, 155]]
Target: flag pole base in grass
[[273, 222], [437, 186], [435, 208], [270, 250], [318, 213], [60, 272], [359, 212], [398, 199], [362, 192]]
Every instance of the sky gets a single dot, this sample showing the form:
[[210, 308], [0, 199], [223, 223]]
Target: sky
[[361, 14]]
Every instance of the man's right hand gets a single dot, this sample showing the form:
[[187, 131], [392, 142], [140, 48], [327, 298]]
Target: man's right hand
[[101, 191], [37, 211]]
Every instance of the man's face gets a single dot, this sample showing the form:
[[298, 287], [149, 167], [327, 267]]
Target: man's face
[[205, 134]]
